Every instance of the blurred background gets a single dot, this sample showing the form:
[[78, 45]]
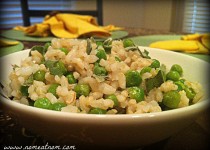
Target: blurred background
[[187, 16]]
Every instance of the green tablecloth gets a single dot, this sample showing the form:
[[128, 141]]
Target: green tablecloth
[[147, 40]]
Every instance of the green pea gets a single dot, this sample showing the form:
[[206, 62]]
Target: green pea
[[99, 43], [145, 69], [133, 78], [39, 75], [100, 71], [177, 68], [49, 63], [180, 85], [71, 79], [190, 93], [58, 68], [43, 103], [82, 89], [52, 89], [172, 75], [136, 93], [65, 50], [182, 80], [128, 43], [171, 99], [113, 97], [97, 111], [155, 64], [57, 106], [101, 54], [24, 90]]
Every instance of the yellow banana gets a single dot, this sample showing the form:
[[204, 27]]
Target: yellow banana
[[4, 42]]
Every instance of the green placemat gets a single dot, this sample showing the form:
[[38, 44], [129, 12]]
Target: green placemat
[[147, 40], [119, 34], [19, 35], [11, 49], [201, 56]]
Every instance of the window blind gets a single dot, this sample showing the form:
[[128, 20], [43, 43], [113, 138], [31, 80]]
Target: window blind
[[10, 12], [196, 16], [49, 5]]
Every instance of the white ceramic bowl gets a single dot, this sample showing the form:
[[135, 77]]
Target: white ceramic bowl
[[111, 130]]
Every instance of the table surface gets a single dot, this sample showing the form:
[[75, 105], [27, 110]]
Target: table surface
[[194, 137]]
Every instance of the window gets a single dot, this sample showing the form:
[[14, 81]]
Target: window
[[196, 16], [49, 5], [10, 11]]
